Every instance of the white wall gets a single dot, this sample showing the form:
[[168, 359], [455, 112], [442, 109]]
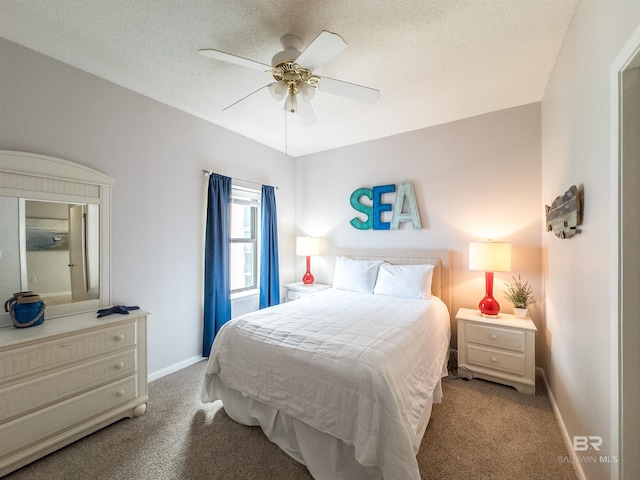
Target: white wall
[[155, 154], [474, 179], [576, 120], [49, 272]]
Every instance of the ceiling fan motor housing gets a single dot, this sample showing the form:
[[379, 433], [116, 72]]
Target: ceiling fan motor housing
[[285, 56], [292, 47]]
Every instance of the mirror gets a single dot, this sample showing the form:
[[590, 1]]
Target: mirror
[[56, 254], [59, 250], [55, 235]]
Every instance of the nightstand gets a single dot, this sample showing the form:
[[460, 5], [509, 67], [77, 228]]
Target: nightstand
[[499, 349], [294, 291]]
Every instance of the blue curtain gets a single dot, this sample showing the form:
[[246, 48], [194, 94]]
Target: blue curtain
[[269, 272], [217, 292]]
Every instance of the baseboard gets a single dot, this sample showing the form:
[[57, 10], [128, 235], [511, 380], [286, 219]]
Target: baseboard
[[577, 466], [174, 368]]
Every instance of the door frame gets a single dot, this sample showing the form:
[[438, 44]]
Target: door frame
[[620, 415]]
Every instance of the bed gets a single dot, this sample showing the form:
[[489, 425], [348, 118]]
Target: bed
[[344, 381]]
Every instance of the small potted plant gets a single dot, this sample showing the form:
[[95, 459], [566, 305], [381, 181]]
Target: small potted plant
[[520, 294]]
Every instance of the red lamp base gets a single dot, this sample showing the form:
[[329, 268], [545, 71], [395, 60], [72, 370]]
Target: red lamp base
[[489, 306], [307, 278]]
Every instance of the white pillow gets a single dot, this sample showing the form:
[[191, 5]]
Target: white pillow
[[355, 275], [410, 281]]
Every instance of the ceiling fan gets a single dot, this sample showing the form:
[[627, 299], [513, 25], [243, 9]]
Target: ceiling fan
[[292, 69]]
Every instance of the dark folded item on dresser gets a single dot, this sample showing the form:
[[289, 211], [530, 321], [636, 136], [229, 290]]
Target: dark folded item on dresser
[[123, 309]]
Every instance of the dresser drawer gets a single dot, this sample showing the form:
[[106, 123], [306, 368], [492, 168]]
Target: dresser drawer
[[494, 359], [39, 392], [43, 424], [49, 355], [498, 337]]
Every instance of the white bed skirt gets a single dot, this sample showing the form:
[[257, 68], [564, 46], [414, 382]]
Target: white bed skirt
[[325, 456]]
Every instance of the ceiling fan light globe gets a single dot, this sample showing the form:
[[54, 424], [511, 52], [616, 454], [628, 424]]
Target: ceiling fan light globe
[[306, 91], [278, 89]]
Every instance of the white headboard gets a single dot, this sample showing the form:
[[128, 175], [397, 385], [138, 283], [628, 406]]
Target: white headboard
[[441, 283]]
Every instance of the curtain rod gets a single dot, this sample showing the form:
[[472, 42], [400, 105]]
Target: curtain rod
[[208, 172]]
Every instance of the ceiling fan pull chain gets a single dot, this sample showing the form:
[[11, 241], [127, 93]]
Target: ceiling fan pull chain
[[286, 139]]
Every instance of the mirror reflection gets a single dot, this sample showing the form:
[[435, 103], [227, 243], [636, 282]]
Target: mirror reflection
[[59, 249]]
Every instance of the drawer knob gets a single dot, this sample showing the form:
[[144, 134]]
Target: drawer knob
[[119, 366], [494, 360], [119, 337], [120, 393], [494, 336]]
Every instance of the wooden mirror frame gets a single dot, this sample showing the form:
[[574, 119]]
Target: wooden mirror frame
[[40, 177]]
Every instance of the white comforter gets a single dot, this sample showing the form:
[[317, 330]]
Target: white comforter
[[357, 366]]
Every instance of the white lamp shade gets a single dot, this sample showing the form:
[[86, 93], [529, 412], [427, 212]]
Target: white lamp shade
[[490, 256], [307, 246]]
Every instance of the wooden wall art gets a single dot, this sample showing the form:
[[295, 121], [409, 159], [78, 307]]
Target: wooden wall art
[[565, 214]]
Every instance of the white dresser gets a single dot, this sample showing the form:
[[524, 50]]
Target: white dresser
[[67, 378], [498, 349]]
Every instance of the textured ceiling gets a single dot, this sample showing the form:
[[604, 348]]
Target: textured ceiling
[[434, 61]]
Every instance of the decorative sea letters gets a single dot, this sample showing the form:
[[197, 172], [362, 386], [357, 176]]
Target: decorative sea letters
[[405, 196]]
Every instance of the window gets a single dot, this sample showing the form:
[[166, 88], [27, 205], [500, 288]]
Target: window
[[243, 251]]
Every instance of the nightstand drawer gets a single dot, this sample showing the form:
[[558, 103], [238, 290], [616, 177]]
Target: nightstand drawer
[[496, 336], [297, 290], [496, 359], [291, 295]]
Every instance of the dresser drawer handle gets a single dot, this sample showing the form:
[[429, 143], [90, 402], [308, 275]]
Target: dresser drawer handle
[[120, 393], [119, 366], [494, 336], [119, 337], [494, 360]]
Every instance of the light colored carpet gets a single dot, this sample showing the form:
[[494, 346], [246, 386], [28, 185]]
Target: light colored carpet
[[480, 431]]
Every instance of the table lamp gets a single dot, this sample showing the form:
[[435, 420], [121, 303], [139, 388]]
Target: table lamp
[[489, 257], [305, 247]]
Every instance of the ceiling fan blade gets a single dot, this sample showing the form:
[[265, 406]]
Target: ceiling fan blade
[[305, 113], [325, 46], [348, 90], [227, 57], [244, 98]]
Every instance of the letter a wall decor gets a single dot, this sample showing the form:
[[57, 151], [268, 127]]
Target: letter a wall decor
[[368, 201]]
